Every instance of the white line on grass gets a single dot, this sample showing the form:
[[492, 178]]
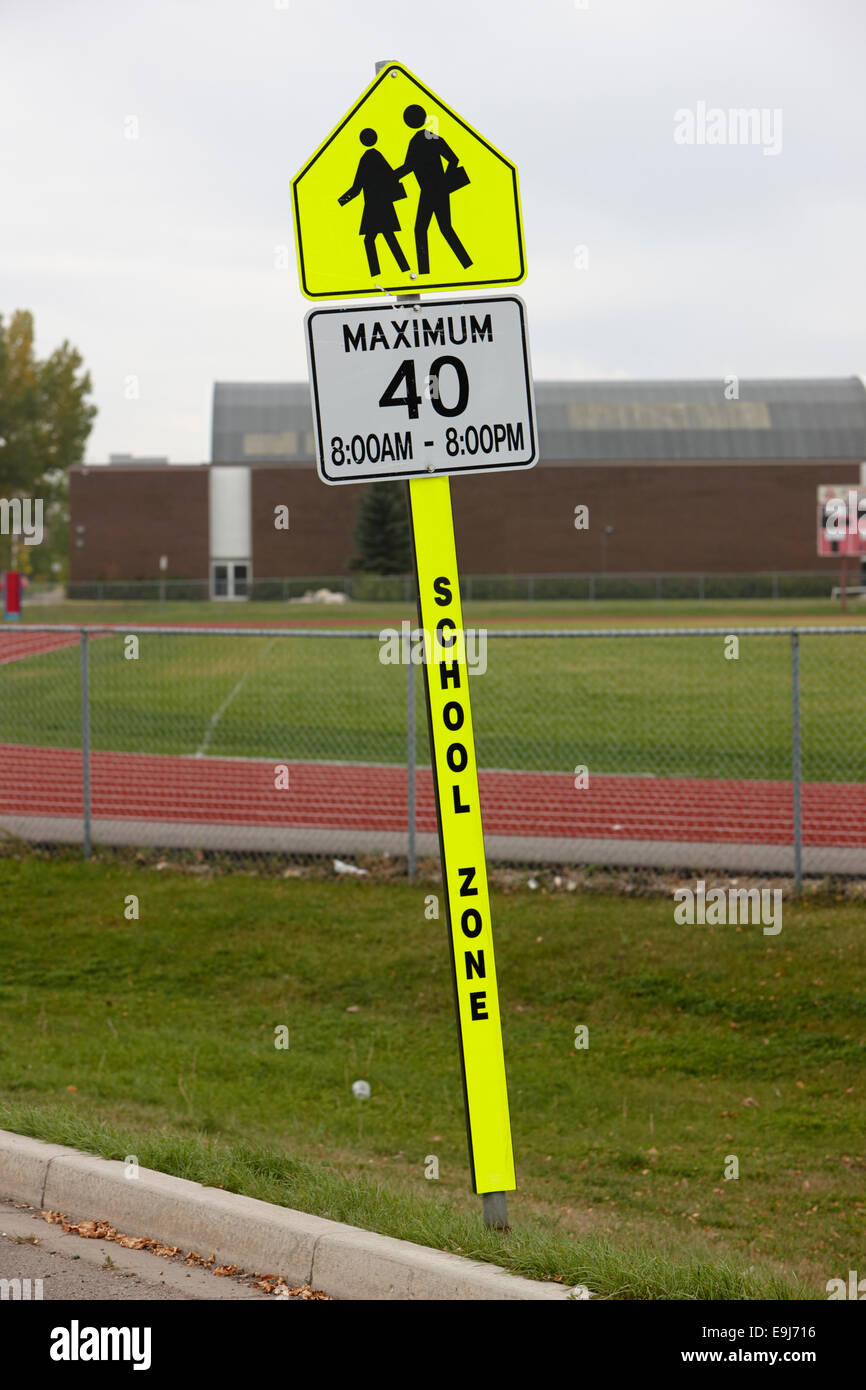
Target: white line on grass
[[218, 713]]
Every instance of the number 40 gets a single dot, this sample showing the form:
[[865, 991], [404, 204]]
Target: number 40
[[406, 373]]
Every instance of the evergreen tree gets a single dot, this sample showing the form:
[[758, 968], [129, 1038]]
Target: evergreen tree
[[382, 530]]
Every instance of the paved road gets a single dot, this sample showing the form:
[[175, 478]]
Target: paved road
[[75, 1268]]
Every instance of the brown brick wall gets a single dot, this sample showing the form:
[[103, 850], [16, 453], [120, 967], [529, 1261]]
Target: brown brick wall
[[132, 516], [671, 518], [689, 517], [321, 522]]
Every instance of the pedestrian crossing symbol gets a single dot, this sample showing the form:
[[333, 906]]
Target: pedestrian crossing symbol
[[404, 196]]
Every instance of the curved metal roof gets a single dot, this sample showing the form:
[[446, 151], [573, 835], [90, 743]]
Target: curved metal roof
[[599, 421]]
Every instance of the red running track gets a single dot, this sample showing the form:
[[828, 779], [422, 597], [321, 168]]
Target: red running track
[[18, 642], [38, 781]]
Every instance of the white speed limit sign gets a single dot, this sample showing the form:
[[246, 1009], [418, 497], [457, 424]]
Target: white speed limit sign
[[437, 387]]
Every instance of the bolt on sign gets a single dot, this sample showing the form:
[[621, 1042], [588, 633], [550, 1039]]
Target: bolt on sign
[[403, 196]]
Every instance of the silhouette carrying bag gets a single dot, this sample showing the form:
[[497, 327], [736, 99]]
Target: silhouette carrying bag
[[456, 177]]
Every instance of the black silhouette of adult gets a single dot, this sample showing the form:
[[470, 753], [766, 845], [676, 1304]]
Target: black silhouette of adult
[[381, 189], [424, 159]]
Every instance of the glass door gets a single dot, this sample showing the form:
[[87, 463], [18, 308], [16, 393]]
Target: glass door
[[230, 579]]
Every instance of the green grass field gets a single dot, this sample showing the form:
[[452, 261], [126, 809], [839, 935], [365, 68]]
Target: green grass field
[[542, 613], [156, 1037], [663, 706]]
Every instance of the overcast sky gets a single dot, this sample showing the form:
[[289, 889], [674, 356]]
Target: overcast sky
[[156, 256]]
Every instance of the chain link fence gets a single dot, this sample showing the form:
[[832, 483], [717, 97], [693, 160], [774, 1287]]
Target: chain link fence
[[371, 588], [742, 749]]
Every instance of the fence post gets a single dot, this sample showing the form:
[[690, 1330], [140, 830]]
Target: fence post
[[592, 588], [701, 588], [796, 759], [410, 766], [85, 743], [775, 585]]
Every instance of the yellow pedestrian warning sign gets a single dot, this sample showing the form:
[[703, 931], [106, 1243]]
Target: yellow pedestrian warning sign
[[464, 868], [405, 196]]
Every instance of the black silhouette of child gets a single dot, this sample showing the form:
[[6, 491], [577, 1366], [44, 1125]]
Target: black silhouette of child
[[381, 189]]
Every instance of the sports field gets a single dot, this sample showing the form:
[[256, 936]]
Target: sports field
[[622, 1160], [645, 705], [783, 612], [683, 745]]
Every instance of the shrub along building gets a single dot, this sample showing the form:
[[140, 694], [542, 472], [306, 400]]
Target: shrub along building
[[675, 479]]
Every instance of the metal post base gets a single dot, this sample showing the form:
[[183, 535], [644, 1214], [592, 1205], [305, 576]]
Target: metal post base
[[495, 1210]]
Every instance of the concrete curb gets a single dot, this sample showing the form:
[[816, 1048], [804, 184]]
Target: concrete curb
[[343, 1261]]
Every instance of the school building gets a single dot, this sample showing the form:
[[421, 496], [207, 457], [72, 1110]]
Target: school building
[[677, 479]]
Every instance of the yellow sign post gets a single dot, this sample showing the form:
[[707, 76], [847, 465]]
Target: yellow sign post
[[403, 196], [461, 839]]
